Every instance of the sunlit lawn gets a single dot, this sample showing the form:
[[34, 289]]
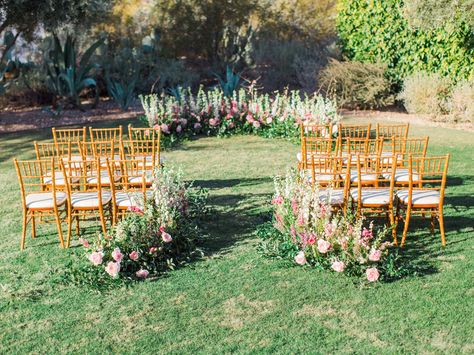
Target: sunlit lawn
[[233, 299]]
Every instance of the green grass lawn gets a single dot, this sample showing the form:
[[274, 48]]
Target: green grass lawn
[[233, 299]]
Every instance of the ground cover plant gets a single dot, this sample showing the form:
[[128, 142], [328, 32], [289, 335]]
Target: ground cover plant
[[233, 296]]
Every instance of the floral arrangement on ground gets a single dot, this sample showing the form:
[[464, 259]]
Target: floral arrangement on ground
[[306, 230], [245, 111], [157, 235]]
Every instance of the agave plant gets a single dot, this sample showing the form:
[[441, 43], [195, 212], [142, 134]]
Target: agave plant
[[231, 82], [122, 92], [68, 77]]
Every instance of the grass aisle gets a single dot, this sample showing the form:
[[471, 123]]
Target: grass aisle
[[233, 299]]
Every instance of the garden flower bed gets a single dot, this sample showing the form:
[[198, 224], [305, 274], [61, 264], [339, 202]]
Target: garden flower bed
[[155, 237], [245, 111]]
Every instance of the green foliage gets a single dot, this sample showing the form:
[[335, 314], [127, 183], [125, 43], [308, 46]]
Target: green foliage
[[230, 84], [67, 76], [122, 92], [425, 93], [356, 84], [375, 31]]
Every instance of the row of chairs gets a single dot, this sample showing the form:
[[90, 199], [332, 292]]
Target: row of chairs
[[73, 179], [343, 130], [381, 176]]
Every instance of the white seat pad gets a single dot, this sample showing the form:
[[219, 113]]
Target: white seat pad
[[130, 199], [58, 179], [308, 155], [332, 196], [402, 175], [44, 200], [420, 197], [364, 177], [372, 196], [104, 178], [89, 199], [138, 179]]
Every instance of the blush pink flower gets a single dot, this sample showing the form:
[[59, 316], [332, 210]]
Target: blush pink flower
[[328, 229], [117, 255], [213, 122], [256, 124], [156, 127], [300, 220], [153, 250], [85, 242], [96, 258], [197, 126], [300, 258], [338, 266], [112, 269], [375, 255], [179, 129], [164, 128], [278, 200], [372, 274], [231, 125], [312, 239], [142, 273], [294, 206], [166, 237], [135, 209], [133, 255], [269, 120], [323, 246]]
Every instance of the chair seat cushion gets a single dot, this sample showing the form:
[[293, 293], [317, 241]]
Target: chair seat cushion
[[387, 157], [130, 199], [420, 197], [371, 196], [89, 199], [103, 160], [365, 177], [58, 179], [104, 178], [402, 175], [44, 200], [138, 179], [308, 155], [333, 197]]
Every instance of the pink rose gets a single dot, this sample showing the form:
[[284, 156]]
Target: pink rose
[[213, 122], [142, 273], [179, 129], [312, 239], [156, 127], [323, 246], [375, 255], [366, 233], [328, 229], [269, 120], [95, 258], [153, 250], [197, 126], [85, 242], [166, 237], [249, 118], [117, 255], [231, 125], [300, 258], [135, 209], [372, 274], [165, 128], [112, 269], [256, 124], [133, 255], [338, 266]]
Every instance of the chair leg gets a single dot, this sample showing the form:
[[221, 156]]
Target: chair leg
[[406, 224], [69, 229], [60, 230], [393, 225], [23, 232], [441, 228], [78, 230], [33, 226]]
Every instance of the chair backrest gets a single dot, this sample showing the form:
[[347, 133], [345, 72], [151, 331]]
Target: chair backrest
[[105, 134], [61, 135], [99, 149], [328, 171], [363, 146], [31, 176], [431, 172], [83, 176], [315, 146], [148, 148], [315, 130], [139, 133], [392, 130], [53, 150], [353, 131]]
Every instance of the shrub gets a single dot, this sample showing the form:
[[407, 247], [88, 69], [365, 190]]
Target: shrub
[[306, 231], [158, 236], [356, 84], [375, 31], [425, 93], [462, 101]]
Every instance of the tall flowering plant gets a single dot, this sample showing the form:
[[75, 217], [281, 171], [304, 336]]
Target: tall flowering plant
[[306, 230], [152, 238], [247, 111]]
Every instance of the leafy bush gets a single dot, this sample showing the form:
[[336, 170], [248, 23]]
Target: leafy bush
[[306, 231], [425, 93], [462, 101], [356, 84], [213, 113], [376, 32], [157, 237]]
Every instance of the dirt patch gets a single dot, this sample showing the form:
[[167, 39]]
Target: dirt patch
[[240, 310], [15, 120]]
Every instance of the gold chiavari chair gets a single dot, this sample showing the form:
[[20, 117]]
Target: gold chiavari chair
[[61, 135], [392, 130], [315, 130], [144, 148], [140, 133], [131, 189], [35, 201], [86, 198], [314, 146], [353, 131], [56, 151], [101, 150], [105, 134], [365, 147], [377, 199], [425, 194], [328, 174]]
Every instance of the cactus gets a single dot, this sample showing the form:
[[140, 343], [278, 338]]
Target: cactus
[[231, 82]]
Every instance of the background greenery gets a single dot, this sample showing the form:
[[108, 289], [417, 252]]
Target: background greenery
[[233, 299]]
